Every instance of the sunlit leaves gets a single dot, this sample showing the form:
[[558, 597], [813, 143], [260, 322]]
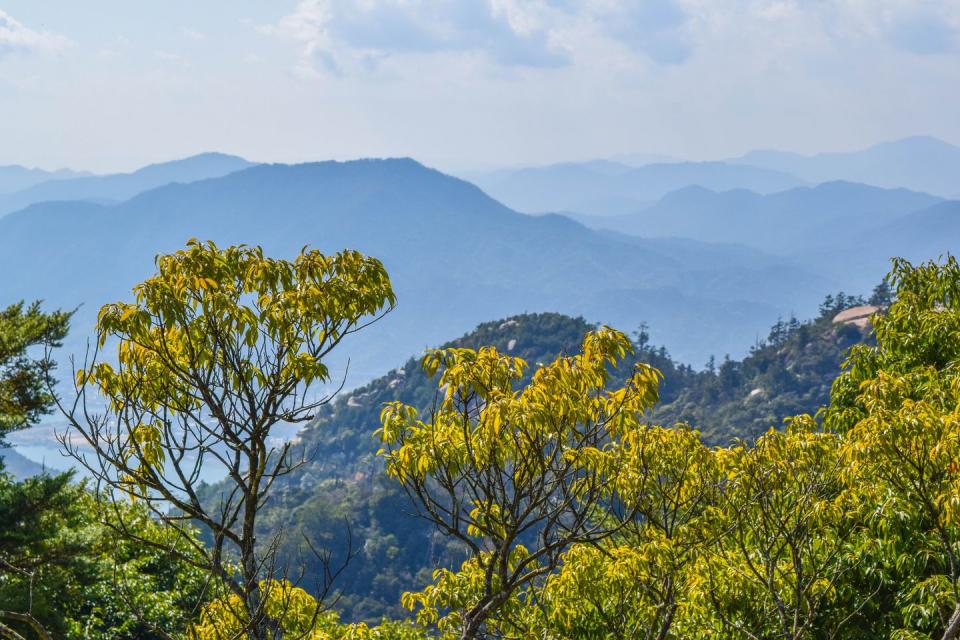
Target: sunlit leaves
[[617, 591], [846, 524], [899, 406], [497, 465], [452, 593], [209, 308], [512, 425], [216, 349], [297, 614], [230, 333], [658, 484], [784, 521]]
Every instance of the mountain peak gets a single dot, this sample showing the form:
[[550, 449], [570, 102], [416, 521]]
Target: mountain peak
[[204, 162], [123, 186], [582, 189], [918, 142], [691, 192], [15, 177], [920, 163]]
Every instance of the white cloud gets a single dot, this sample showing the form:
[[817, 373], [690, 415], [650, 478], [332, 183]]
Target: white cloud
[[193, 34], [491, 81], [16, 37], [924, 28], [928, 27], [342, 36], [657, 29]]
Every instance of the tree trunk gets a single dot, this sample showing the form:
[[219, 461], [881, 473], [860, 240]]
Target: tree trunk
[[25, 618], [666, 623], [257, 627], [952, 631], [471, 627], [480, 613]]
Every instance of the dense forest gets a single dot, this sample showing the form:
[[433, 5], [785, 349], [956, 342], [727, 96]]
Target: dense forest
[[540, 477], [793, 367]]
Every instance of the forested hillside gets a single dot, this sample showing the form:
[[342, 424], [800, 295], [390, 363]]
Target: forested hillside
[[788, 373]]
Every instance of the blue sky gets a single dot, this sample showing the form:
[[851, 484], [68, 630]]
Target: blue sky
[[112, 84]]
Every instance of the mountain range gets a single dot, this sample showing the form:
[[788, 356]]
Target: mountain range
[[15, 177], [783, 222], [456, 256], [846, 232], [628, 183], [604, 187], [928, 234], [19, 465], [921, 163], [120, 186], [704, 269], [707, 270]]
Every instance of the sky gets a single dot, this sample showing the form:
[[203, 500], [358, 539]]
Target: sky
[[108, 85]]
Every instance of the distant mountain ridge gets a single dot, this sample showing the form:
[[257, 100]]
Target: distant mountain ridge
[[845, 232], [121, 186], [927, 234], [435, 233], [782, 222], [455, 255], [921, 163], [17, 465], [15, 177], [609, 188], [626, 183]]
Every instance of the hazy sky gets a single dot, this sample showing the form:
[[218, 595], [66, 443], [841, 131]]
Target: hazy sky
[[106, 85]]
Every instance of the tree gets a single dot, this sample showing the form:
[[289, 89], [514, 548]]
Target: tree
[[636, 583], [226, 618], [882, 295], [505, 471], [783, 527], [828, 306], [218, 347], [897, 404], [76, 580], [33, 514], [832, 305], [24, 397]]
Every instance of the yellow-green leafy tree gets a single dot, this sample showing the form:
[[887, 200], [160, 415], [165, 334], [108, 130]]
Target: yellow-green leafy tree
[[784, 528], [301, 618], [898, 405], [501, 469], [216, 349], [636, 584]]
